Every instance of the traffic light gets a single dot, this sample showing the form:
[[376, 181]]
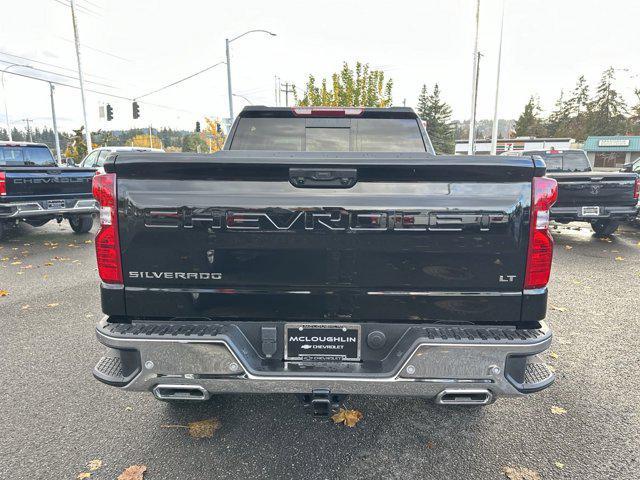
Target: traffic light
[[218, 127], [197, 127], [109, 112], [136, 110]]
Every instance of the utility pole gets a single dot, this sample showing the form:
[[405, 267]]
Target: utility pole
[[494, 133], [287, 91], [474, 86], [28, 128], [55, 123], [150, 138], [87, 133], [229, 89], [276, 91]]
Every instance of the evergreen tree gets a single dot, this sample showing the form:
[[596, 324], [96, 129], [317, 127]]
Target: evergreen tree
[[437, 115], [529, 123], [558, 122], [634, 119], [607, 109]]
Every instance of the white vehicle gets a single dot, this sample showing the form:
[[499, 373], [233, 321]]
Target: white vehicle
[[97, 157]]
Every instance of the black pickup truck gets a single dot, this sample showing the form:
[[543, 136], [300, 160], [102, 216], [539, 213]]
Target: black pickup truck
[[324, 252], [604, 199], [35, 190]]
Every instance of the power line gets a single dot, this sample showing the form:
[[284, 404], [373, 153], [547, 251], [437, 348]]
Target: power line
[[60, 74], [179, 81], [96, 50], [80, 7], [110, 95], [47, 64]]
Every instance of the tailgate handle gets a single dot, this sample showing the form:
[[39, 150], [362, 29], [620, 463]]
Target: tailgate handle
[[323, 177]]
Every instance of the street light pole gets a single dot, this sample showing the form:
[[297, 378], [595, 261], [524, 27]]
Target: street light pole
[[55, 123], [229, 89], [227, 42], [87, 133], [494, 132], [474, 92]]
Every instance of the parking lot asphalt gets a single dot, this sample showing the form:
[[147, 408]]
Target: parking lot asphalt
[[56, 417]]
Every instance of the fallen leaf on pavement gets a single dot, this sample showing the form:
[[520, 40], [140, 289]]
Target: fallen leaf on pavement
[[558, 410], [52, 305], [134, 472], [568, 247], [48, 264], [25, 307], [94, 465], [520, 473], [16, 263], [619, 259], [199, 429], [429, 445], [83, 475], [560, 465], [560, 309], [553, 355], [128, 409], [348, 417], [88, 241], [3, 293]]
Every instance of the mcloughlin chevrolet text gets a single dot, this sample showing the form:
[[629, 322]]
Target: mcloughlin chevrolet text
[[324, 252]]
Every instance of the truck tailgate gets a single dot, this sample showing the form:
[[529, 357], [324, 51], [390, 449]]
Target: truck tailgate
[[50, 182], [408, 237], [595, 188]]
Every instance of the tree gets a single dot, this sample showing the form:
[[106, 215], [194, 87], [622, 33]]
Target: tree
[[193, 142], [359, 87], [145, 140], [529, 123], [558, 122], [634, 119], [213, 134], [608, 108], [437, 115], [76, 145]]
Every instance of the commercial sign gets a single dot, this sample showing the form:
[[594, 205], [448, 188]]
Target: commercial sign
[[614, 142]]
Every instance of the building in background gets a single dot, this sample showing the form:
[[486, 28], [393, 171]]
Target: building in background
[[612, 152], [519, 144]]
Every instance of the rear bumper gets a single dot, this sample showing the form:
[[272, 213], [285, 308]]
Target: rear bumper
[[575, 213], [429, 359], [43, 209]]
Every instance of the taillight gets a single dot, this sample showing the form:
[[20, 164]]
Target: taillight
[[544, 192], [3, 184], [107, 241], [636, 189]]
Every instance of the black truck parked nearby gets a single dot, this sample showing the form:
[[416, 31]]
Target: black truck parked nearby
[[324, 252], [35, 190], [603, 199]]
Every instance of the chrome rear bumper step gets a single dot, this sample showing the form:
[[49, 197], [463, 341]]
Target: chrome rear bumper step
[[452, 365]]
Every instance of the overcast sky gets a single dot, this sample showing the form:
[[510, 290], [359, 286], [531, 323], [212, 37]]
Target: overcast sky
[[132, 47]]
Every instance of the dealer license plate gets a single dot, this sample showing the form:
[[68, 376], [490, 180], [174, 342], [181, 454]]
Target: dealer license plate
[[590, 211], [322, 342]]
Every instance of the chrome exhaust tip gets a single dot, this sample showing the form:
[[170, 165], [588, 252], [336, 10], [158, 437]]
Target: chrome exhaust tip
[[464, 396], [181, 392]]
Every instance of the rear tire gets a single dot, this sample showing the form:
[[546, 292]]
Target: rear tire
[[604, 228], [81, 223]]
